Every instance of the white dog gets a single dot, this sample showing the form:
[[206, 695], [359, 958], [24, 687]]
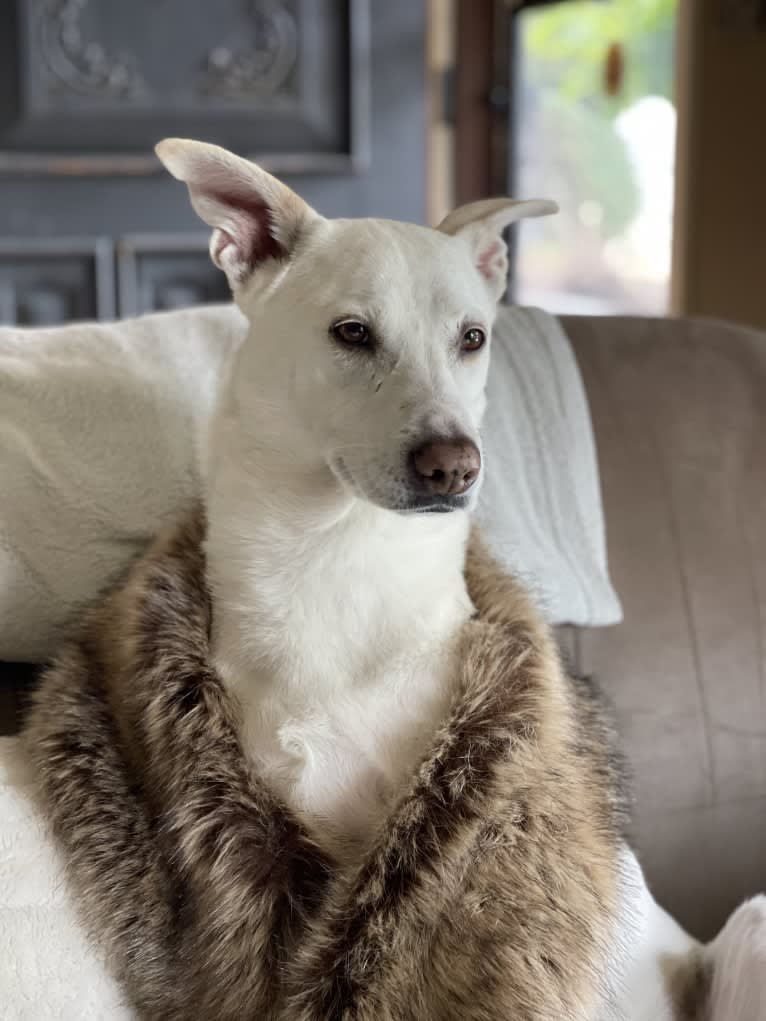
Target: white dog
[[341, 473]]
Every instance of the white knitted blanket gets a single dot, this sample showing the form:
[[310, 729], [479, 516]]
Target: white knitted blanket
[[540, 503]]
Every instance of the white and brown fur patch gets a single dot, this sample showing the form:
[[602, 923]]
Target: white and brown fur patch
[[493, 889]]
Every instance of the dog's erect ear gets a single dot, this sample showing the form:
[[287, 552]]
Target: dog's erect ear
[[253, 215], [482, 224]]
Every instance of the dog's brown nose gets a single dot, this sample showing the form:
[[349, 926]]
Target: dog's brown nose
[[448, 467]]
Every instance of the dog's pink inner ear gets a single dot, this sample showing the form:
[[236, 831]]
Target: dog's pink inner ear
[[247, 238], [492, 260]]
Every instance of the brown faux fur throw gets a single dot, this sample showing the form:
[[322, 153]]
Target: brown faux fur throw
[[492, 891]]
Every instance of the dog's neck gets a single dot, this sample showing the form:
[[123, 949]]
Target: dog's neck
[[312, 588]]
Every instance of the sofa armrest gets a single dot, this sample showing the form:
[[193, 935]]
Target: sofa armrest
[[679, 415]]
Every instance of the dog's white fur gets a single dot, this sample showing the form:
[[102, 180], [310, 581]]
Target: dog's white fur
[[336, 604], [335, 610]]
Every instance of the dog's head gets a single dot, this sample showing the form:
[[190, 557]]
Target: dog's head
[[369, 341]]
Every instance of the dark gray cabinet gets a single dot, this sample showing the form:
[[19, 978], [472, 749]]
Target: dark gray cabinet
[[329, 94]]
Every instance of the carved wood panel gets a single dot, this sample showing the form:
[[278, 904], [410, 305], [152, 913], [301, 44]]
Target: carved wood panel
[[44, 282], [88, 86], [164, 271]]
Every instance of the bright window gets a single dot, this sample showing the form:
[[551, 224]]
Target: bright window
[[596, 131]]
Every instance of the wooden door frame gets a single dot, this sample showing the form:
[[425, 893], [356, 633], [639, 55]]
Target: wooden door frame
[[483, 104], [485, 62], [474, 73]]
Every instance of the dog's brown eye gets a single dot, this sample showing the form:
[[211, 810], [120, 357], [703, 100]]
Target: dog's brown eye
[[473, 339], [351, 332]]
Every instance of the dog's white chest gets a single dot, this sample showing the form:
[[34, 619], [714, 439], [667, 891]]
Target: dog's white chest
[[340, 648], [338, 755]]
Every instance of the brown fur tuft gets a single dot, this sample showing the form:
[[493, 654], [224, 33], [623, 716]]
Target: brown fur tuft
[[492, 891]]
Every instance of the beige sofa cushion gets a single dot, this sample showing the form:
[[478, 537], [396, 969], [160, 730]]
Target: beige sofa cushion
[[679, 414]]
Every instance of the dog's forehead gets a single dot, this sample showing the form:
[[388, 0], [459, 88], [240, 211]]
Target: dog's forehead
[[376, 262]]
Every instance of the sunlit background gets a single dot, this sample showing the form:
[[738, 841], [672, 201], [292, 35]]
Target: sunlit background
[[596, 127]]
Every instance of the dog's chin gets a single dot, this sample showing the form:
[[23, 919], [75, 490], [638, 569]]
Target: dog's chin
[[421, 504], [435, 505]]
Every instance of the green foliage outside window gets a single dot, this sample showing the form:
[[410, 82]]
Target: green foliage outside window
[[564, 53]]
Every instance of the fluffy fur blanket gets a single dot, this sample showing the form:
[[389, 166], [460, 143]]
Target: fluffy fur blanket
[[493, 890]]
